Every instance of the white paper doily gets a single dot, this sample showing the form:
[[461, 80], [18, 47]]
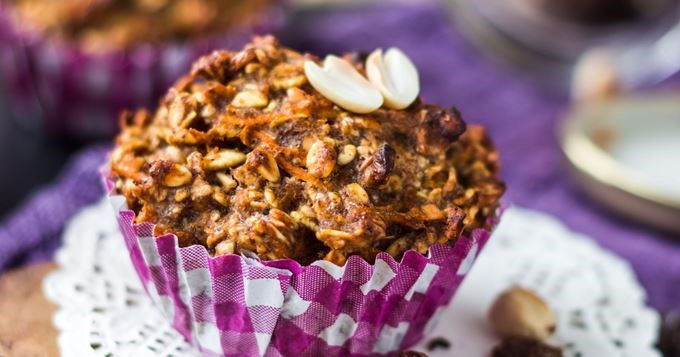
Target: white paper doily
[[600, 307]]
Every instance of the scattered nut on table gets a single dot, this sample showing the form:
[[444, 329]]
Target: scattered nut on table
[[519, 312], [412, 354], [669, 337]]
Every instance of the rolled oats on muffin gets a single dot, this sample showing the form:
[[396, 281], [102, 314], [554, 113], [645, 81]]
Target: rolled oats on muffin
[[245, 155], [275, 205]]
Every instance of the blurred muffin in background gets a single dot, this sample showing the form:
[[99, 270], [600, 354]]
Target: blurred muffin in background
[[70, 66], [102, 25]]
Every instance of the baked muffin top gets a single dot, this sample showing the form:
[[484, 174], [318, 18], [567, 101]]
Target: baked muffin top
[[244, 154], [117, 24]]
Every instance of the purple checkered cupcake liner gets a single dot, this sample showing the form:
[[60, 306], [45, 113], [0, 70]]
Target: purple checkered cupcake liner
[[58, 88], [235, 305]]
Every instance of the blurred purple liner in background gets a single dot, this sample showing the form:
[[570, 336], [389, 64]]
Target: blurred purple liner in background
[[63, 90]]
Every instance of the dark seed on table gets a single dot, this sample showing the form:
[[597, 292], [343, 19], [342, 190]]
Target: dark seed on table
[[524, 347], [669, 339], [438, 343]]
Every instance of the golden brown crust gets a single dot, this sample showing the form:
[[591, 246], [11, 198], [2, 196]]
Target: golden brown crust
[[244, 154], [105, 24]]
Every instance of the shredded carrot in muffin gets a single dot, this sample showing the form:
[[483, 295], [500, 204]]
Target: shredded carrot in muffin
[[244, 154]]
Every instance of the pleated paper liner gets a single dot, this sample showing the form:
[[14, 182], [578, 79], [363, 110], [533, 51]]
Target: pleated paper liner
[[237, 305]]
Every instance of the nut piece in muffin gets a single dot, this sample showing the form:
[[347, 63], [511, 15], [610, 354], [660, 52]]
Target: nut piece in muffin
[[244, 154], [114, 24]]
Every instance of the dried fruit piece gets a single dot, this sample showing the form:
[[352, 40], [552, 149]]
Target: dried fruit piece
[[395, 76], [340, 82], [519, 312], [437, 128], [380, 167]]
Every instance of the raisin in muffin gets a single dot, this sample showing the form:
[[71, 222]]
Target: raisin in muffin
[[116, 24], [244, 154]]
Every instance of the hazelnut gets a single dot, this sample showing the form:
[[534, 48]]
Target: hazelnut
[[519, 312], [321, 159]]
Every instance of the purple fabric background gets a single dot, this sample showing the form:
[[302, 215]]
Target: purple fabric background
[[519, 115]]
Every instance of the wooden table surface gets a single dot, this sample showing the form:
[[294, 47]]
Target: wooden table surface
[[26, 328]]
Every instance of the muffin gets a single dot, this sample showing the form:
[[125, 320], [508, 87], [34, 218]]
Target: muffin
[[75, 64], [366, 222], [106, 25]]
